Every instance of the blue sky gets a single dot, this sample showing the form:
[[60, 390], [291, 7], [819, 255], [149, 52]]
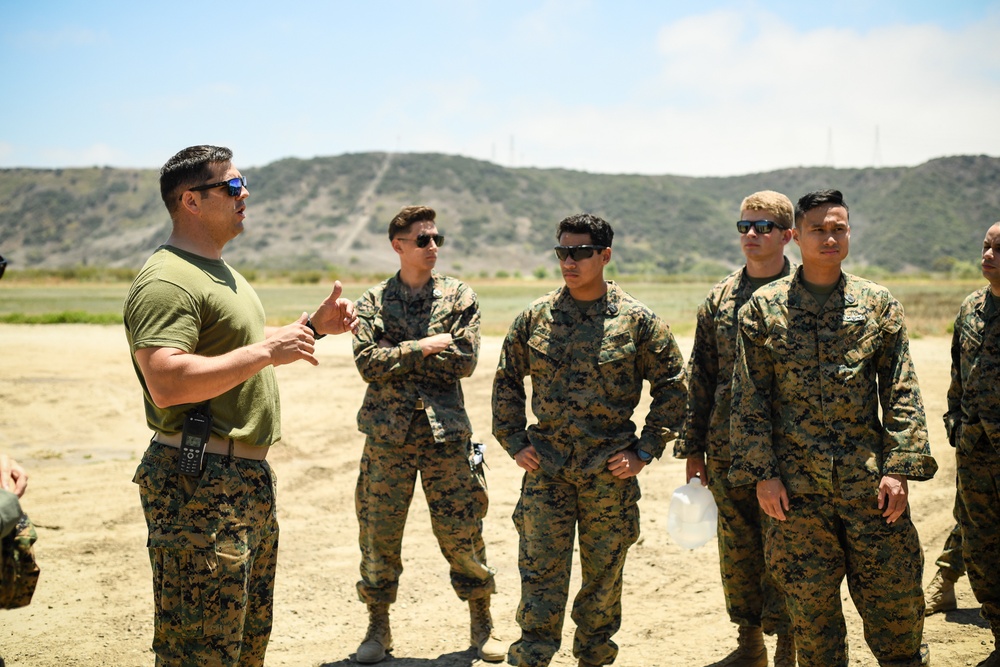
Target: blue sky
[[710, 88]]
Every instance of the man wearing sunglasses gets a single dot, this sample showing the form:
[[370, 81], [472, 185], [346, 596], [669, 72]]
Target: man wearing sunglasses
[[753, 601], [418, 336], [818, 354], [587, 347], [196, 332]]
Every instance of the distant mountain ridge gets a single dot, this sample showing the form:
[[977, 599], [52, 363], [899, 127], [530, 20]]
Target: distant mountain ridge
[[332, 212]]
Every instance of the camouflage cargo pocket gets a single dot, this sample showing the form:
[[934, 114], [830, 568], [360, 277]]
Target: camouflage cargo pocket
[[18, 569], [969, 436], [185, 581]]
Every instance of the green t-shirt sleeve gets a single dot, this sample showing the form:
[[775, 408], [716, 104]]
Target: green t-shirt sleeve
[[163, 314]]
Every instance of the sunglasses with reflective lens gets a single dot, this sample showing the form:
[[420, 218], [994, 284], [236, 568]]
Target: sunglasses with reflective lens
[[577, 252], [424, 240], [235, 186], [760, 226]]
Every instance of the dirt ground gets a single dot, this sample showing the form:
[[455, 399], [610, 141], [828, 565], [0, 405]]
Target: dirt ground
[[70, 412]]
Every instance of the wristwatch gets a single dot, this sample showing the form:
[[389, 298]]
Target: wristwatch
[[316, 335], [644, 456]]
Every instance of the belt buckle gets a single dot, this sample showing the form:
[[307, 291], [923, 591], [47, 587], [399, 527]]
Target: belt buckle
[[419, 405]]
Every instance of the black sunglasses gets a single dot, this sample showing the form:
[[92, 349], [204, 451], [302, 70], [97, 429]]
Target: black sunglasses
[[577, 252], [3, 265], [424, 240], [235, 186], [760, 226]]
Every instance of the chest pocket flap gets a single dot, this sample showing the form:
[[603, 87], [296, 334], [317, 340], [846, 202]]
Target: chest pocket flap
[[543, 346], [617, 348], [860, 340], [971, 338]]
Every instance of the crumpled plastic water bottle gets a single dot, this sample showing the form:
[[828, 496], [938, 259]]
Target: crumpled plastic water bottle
[[692, 519]]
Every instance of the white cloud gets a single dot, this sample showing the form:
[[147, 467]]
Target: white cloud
[[741, 92], [549, 23]]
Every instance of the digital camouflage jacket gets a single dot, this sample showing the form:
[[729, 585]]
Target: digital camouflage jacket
[[398, 374], [807, 387], [974, 394], [710, 368], [586, 371]]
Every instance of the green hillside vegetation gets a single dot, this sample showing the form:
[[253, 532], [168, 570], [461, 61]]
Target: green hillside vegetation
[[329, 214]]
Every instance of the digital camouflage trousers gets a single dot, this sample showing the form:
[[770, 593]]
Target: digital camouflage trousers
[[455, 491], [213, 547], [824, 539]]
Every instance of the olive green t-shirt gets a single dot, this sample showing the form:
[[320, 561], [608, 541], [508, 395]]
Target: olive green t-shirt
[[821, 293], [204, 307]]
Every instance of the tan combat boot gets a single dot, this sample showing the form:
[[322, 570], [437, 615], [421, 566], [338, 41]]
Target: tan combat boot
[[784, 651], [488, 646], [940, 593], [750, 650], [378, 639]]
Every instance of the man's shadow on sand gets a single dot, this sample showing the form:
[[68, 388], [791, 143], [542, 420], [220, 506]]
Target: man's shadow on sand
[[966, 617], [466, 658]]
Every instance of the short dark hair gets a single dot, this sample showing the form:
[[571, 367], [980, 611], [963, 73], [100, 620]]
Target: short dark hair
[[585, 223], [816, 199], [409, 215], [191, 166]]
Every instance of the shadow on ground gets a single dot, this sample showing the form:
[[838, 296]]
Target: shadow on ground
[[466, 658], [966, 617]]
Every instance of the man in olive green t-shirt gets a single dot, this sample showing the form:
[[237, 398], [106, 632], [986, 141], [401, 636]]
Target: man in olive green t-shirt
[[195, 328]]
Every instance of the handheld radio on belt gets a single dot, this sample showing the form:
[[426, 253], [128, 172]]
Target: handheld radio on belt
[[194, 438]]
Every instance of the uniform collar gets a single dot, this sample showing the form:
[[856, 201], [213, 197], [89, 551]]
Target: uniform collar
[[846, 295], [609, 304], [743, 280], [984, 308], [397, 289]]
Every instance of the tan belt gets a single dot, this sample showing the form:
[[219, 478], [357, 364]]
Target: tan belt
[[217, 445], [419, 405]]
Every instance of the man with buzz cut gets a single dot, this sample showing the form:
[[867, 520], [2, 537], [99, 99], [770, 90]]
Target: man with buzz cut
[[973, 425], [818, 353], [753, 601], [587, 347], [196, 332], [418, 336]]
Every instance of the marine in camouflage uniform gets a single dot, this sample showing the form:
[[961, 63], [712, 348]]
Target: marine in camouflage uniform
[[414, 418], [818, 353], [18, 569], [973, 425], [939, 595], [752, 599], [952, 557], [195, 329], [587, 348]]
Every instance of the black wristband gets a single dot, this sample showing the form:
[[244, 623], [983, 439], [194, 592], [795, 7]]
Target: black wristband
[[316, 334]]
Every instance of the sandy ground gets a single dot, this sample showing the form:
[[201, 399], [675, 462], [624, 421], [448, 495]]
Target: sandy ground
[[70, 411]]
